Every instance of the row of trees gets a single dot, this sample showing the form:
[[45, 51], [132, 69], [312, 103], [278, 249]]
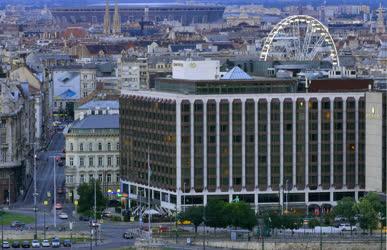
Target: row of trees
[[368, 212], [219, 214]]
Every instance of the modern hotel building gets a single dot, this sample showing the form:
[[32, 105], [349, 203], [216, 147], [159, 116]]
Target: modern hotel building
[[258, 139]]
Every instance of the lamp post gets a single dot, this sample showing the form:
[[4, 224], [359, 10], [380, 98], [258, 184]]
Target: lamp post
[[35, 194], [44, 218], [2, 228]]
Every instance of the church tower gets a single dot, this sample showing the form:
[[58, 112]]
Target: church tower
[[116, 20], [106, 19], [380, 28]]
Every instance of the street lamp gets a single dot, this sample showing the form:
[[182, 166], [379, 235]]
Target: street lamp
[[44, 218]]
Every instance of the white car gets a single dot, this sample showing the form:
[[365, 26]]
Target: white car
[[347, 227], [35, 244], [63, 216], [45, 243]]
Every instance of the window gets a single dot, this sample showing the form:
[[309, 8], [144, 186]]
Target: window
[[100, 146], [100, 177], [91, 161], [81, 147], [117, 178], [69, 179], [82, 178], [90, 146], [71, 161], [71, 147], [118, 146], [109, 161], [81, 161], [109, 178], [109, 146], [91, 177], [118, 160], [99, 160]]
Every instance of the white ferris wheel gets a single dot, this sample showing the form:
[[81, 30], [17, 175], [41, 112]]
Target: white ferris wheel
[[300, 38]]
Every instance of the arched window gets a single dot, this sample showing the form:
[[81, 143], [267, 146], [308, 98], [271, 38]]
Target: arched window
[[100, 146], [109, 178]]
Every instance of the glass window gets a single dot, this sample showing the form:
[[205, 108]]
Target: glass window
[[90, 146], [118, 160], [109, 161], [109, 178], [81, 147], [109, 146], [117, 178], [71, 147], [71, 161], [99, 160], [81, 161], [100, 177], [91, 177], [82, 179], [118, 146], [91, 161], [100, 146]]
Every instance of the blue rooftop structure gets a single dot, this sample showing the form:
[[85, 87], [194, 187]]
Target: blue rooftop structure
[[236, 73], [97, 122], [101, 104], [68, 94]]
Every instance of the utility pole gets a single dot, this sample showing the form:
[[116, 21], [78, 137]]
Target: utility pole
[[2, 228], [287, 192], [35, 195], [204, 226], [95, 210], [184, 197], [9, 191], [54, 191]]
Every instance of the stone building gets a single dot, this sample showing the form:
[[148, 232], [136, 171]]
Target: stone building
[[92, 151]]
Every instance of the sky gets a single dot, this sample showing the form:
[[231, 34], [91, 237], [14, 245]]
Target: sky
[[273, 3]]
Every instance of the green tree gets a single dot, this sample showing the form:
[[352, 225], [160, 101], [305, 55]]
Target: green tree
[[241, 215], [370, 208], [193, 214], [291, 221], [86, 198], [346, 208], [215, 214]]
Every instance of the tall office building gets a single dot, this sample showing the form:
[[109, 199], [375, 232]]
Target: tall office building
[[257, 139]]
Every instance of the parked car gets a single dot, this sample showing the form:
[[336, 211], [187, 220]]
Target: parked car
[[55, 243], [6, 244], [347, 227], [26, 244], [84, 218], [16, 244], [63, 216], [107, 214], [58, 206], [17, 224], [45, 243], [35, 244], [67, 243], [128, 235]]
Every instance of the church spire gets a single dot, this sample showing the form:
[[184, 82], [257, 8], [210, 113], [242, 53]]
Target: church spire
[[380, 28], [116, 20], [106, 19]]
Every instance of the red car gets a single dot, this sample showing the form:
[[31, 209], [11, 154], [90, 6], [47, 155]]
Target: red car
[[58, 206]]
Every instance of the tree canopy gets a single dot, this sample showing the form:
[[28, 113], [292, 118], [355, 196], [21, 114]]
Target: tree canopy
[[86, 198]]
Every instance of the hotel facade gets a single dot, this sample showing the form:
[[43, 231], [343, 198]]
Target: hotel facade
[[211, 140]]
